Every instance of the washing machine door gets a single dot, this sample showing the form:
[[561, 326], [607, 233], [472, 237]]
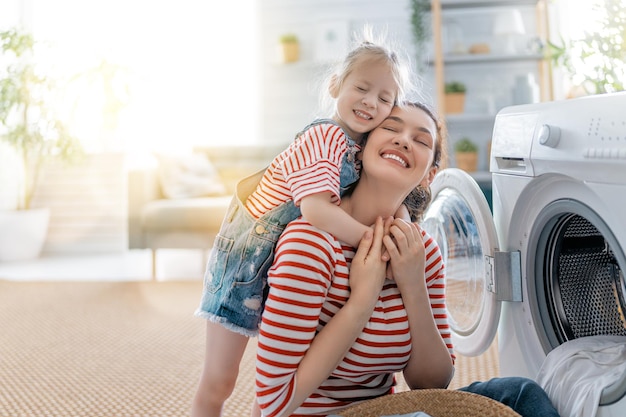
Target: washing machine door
[[460, 220]]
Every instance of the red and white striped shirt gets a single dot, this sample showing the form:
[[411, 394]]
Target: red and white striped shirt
[[311, 164], [308, 285]]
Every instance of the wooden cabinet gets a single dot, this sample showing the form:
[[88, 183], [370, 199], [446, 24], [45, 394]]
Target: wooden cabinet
[[494, 48]]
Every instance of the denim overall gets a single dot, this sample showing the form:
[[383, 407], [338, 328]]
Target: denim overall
[[235, 279]]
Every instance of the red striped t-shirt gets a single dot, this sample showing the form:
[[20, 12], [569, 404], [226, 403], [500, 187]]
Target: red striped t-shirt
[[311, 164], [308, 285]]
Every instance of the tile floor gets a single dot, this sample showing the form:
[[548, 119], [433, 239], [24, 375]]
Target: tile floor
[[132, 265]]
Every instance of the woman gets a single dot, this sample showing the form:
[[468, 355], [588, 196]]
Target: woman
[[336, 323], [335, 329]]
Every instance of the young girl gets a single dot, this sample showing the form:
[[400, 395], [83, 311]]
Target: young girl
[[307, 178]]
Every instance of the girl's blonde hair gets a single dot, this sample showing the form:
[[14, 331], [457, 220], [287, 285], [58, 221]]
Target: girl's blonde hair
[[368, 50]]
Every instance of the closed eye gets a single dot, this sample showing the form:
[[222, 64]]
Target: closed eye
[[423, 141], [391, 125]]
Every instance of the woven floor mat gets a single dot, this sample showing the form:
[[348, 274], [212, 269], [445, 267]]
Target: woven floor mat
[[75, 349], [99, 349]]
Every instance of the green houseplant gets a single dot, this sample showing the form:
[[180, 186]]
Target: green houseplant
[[595, 61], [466, 154], [28, 123], [420, 28], [454, 87], [454, 97], [465, 145], [30, 127]]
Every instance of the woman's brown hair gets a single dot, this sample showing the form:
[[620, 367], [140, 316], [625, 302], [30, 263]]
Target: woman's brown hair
[[419, 198]]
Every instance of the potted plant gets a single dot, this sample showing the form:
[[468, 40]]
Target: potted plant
[[595, 61], [30, 127], [289, 48], [454, 98], [466, 154], [420, 29]]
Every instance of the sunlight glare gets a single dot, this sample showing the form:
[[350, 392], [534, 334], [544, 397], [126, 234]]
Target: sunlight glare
[[183, 63]]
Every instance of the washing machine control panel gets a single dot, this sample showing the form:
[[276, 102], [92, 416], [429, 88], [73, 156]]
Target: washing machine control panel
[[584, 138]]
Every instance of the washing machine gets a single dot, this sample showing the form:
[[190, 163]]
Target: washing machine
[[548, 265]]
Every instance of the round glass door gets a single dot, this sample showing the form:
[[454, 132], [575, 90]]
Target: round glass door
[[460, 220]]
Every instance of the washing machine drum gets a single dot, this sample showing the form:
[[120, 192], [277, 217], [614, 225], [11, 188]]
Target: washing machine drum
[[579, 284]]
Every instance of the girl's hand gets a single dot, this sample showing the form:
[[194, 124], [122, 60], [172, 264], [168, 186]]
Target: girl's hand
[[406, 248], [367, 272]]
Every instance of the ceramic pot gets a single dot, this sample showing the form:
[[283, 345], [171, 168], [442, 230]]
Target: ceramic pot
[[23, 233], [290, 51], [467, 161], [454, 103]]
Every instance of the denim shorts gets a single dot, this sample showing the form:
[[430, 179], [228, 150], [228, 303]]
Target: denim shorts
[[236, 275], [235, 280]]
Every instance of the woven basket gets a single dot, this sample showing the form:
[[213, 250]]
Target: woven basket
[[434, 402]]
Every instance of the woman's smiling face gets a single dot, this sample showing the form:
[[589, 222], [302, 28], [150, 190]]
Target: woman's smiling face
[[403, 146]]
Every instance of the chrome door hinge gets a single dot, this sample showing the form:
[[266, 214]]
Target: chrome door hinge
[[504, 275]]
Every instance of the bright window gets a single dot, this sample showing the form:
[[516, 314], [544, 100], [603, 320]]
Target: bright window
[[593, 34], [182, 72]]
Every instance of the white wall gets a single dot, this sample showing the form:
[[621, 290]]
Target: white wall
[[289, 92]]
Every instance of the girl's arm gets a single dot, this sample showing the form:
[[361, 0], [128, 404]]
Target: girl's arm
[[279, 391], [430, 364], [403, 213], [318, 210], [312, 171]]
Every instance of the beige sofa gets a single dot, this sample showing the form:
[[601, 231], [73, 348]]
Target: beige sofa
[[159, 220]]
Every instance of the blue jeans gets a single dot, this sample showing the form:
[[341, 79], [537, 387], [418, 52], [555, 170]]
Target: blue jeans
[[523, 395]]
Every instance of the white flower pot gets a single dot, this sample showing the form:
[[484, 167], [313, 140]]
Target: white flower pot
[[23, 233]]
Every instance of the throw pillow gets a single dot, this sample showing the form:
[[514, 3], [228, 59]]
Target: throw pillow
[[189, 176]]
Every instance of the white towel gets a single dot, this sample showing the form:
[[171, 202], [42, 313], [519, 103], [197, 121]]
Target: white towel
[[574, 374]]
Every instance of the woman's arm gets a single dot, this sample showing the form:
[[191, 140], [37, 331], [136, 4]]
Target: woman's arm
[[291, 360], [430, 364]]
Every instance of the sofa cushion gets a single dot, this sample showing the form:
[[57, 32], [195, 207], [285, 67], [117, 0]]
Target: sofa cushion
[[188, 176], [189, 214]]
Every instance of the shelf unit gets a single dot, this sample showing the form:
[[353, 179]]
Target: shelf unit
[[491, 75]]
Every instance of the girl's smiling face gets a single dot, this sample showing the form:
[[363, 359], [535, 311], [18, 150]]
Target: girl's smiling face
[[402, 148], [365, 98]]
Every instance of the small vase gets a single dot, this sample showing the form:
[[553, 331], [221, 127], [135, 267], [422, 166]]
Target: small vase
[[454, 103], [290, 52], [525, 90], [23, 233]]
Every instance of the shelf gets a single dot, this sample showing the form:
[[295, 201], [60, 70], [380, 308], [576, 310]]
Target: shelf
[[451, 59], [470, 118], [299, 65], [457, 4], [492, 78]]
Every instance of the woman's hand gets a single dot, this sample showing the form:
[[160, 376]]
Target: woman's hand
[[367, 272], [406, 248], [408, 260]]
